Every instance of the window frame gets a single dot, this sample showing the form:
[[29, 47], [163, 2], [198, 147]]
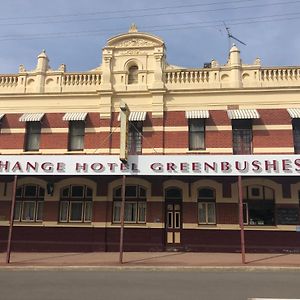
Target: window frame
[[296, 135], [242, 136], [22, 200], [252, 202], [135, 137], [31, 133], [133, 75], [139, 200], [207, 201], [67, 201], [75, 138], [196, 132]]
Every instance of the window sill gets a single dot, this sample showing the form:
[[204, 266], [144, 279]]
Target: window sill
[[198, 151], [76, 152], [32, 152]]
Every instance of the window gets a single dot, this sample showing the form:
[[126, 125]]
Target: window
[[196, 134], [242, 136], [76, 204], [76, 135], [32, 136], [29, 203], [133, 75], [135, 204], [135, 137], [296, 135], [206, 206], [259, 205]]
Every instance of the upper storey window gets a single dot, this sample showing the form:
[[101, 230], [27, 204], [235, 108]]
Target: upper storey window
[[33, 130], [133, 74], [296, 134], [196, 122], [242, 136]]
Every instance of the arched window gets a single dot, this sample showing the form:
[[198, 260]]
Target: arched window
[[206, 206], [259, 205], [135, 204], [76, 204], [29, 203], [173, 194], [133, 74]]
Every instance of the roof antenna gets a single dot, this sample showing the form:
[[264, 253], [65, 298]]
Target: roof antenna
[[231, 37]]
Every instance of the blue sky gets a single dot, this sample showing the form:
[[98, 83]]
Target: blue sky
[[74, 32]]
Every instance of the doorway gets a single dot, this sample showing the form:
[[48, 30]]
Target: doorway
[[173, 218]]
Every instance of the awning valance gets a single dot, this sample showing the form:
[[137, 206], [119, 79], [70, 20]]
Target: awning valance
[[136, 116], [242, 114], [294, 113], [31, 117], [75, 116], [197, 114]]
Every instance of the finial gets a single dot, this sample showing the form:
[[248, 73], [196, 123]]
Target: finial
[[133, 28]]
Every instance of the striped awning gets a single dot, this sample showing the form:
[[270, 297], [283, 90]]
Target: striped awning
[[75, 116], [243, 114], [294, 113], [31, 117], [1, 116], [197, 114], [136, 116]]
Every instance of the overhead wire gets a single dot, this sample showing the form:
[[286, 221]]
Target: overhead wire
[[152, 14], [160, 28]]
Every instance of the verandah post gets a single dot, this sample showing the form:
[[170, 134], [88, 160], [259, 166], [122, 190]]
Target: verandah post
[[11, 221]]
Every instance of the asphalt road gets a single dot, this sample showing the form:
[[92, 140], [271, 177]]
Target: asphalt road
[[147, 284]]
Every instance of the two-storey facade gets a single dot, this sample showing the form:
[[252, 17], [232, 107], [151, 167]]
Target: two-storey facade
[[175, 113]]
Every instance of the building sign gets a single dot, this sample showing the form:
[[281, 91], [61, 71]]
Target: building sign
[[175, 165]]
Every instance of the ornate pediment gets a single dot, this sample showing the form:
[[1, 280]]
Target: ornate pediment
[[135, 43], [135, 39]]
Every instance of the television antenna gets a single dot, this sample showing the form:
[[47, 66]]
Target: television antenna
[[232, 37]]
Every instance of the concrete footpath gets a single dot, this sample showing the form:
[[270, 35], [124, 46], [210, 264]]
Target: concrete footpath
[[152, 259]]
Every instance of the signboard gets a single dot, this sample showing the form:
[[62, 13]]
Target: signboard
[[175, 165]]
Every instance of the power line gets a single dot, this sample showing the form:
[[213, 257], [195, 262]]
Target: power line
[[124, 11], [159, 28], [151, 14]]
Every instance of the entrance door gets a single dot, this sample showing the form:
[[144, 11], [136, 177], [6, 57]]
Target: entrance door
[[173, 223]]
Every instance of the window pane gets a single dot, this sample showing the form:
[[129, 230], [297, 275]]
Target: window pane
[[131, 191], [88, 211], [142, 212], [130, 212], [89, 193], [296, 133], [17, 212], [133, 75], [196, 134], [30, 191], [206, 193], [63, 214], [202, 212], [39, 210], [142, 193], [211, 212], [76, 135], [116, 211], [65, 192], [28, 211], [76, 211], [135, 137], [19, 192], [33, 132], [242, 136], [77, 191]]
